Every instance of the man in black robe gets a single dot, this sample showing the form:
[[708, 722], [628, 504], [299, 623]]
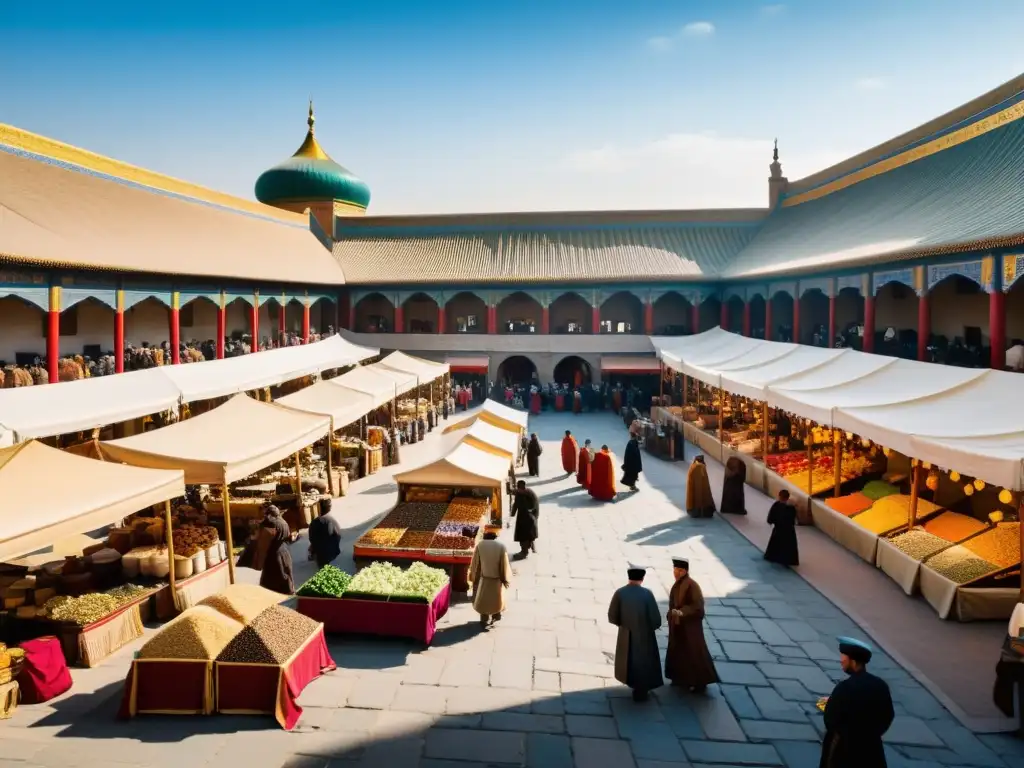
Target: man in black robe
[[324, 536], [634, 611], [632, 464], [857, 714], [533, 452], [526, 511], [782, 545]]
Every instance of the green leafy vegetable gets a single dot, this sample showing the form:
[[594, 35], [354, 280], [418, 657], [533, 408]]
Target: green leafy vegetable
[[327, 582]]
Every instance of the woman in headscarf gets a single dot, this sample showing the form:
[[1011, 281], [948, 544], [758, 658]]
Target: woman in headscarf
[[277, 560], [733, 500], [533, 452], [699, 501]]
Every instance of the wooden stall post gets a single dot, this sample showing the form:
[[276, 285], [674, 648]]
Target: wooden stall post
[[227, 531], [298, 480], [661, 381], [1020, 512], [810, 464], [764, 433], [721, 416], [684, 390], [170, 546], [837, 460], [330, 450], [915, 468]]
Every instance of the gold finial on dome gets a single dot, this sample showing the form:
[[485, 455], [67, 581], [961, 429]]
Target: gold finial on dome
[[311, 147]]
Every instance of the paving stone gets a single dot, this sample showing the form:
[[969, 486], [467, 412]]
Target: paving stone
[[728, 622], [740, 701], [547, 751], [912, 731], [778, 609], [655, 742], [546, 681], [547, 706], [496, 747], [821, 652], [813, 678], [515, 721], [602, 753], [394, 753], [741, 674], [770, 730], [748, 652], [798, 631], [716, 719], [587, 705], [965, 744], [420, 698], [731, 754], [373, 693], [592, 726], [770, 632], [793, 690], [736, 636], [800, 754], [683, 721], [774, 707]]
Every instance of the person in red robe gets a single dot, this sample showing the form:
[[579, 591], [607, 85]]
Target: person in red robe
[[583, 465], [534, 402], [602, 476], [570, 448]]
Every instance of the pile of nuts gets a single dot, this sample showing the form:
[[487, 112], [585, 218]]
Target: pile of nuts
[[273, 637]]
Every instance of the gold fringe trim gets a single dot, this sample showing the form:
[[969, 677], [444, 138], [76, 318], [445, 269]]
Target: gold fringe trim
[[96, 644]]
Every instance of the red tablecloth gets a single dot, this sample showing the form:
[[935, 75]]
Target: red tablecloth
[[45, 675], [266, 689], [377, 617], [167, 687]]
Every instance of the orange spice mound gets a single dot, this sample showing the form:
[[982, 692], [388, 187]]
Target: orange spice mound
[[1000, 546], [953, 526], [850, 505]]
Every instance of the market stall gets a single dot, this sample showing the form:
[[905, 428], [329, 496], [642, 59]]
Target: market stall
[[491, 439], [381, 600], [87, 601], [496, 414]]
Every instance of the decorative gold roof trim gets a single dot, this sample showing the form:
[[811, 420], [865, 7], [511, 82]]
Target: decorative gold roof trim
[[57, 150], [953, 139]]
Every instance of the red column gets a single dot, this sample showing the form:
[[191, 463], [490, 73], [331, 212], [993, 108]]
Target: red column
[[796, 320], [441, 320], [545, 320], [924, 326], [492, 319], [399, 320], [282, 320], [869, 324], [595, 320], [723, 316], [119, 332], [53, 334], [175, 327], [768, 319], [746, 318], [222, 326], [695, 317], [305, 322], [831, 321], [649, 318], [997, 328], [254, 324]]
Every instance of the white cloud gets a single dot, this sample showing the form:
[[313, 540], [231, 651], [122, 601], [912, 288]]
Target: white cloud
[[699, 29], [868, 84], [660, 44], [773, 10]]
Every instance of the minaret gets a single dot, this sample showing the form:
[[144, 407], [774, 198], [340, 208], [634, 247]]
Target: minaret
[[777, 183]]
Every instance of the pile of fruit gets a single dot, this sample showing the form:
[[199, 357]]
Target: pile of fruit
[[189, 540], [327, 582], [420, 582]]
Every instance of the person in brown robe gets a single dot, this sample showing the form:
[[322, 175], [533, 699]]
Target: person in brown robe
[[276, 574], [733, 501], [687, 661], [699, 501]]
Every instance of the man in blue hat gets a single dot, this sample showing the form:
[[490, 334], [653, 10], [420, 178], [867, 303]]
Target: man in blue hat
[[857, 714], [635, 612]]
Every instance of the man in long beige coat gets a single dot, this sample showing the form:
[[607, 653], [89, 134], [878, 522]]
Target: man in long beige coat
[[489, 574]]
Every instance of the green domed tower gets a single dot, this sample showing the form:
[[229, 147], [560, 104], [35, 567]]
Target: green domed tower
[[311, 180]]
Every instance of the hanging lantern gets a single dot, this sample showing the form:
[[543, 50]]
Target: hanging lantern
[[954, 476], [1005, 496], [932, 482], [996, 517], [849, 435], [927, 465], [886, 452], [979, 484], [865, 442], [968, 490]]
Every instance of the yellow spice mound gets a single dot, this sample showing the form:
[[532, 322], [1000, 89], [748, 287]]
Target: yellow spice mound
[[242, 602], [199, 633]]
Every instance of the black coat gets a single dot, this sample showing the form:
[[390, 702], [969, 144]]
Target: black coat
[[733, 499], [632, 463], [526, 511], [857, 715], [325, 539], [782, 546], [533, 452]]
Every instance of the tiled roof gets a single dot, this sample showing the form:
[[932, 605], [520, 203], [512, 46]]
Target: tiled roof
[[540, 254], [52, 215], [964, 197]]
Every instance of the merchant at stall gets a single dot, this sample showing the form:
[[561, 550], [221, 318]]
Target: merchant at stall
[[857, 714], [324, 536], [635, 612], [489, 573], [268, 553]]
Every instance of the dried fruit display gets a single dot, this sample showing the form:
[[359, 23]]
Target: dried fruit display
[[415, 540], [381, 537], [466, 510], [273, 637], [918, 544], [451, 541], [418, 516], [952, 526], [190, 539], [1000, 546], [959, 565], [201, 633]]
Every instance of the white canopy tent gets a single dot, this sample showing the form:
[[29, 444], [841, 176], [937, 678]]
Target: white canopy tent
[[383, 384], [465, 466], [677, 346], [761, 354], [709, 353], [508, 414], [490, 437], [425, 370], [222, 445], [996, 459], [50, 495], [753, 381], [342, 404]]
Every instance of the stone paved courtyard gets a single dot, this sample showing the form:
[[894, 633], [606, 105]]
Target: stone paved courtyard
[[537, 690]]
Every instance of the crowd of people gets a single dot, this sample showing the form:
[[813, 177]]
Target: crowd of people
[[579, 398]]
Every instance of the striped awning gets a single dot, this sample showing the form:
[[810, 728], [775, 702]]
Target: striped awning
[[476, 364], [626, 364]]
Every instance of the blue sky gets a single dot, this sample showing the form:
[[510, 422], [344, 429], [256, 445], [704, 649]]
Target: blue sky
[[527, 105]]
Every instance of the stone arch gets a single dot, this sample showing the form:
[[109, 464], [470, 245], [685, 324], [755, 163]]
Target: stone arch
[[757, 315], [419, 314], [24, 324], [375, 314], [197, 318], [813, 317], [672, 314], [570, 313], [519, 313], [323, 315], [465, 312], [622, 312], [710, 314], [574, 371], [849, 313], [147, 321], [734, 313], [959, 307], [516, 369], [782, 316], [896, 306]]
